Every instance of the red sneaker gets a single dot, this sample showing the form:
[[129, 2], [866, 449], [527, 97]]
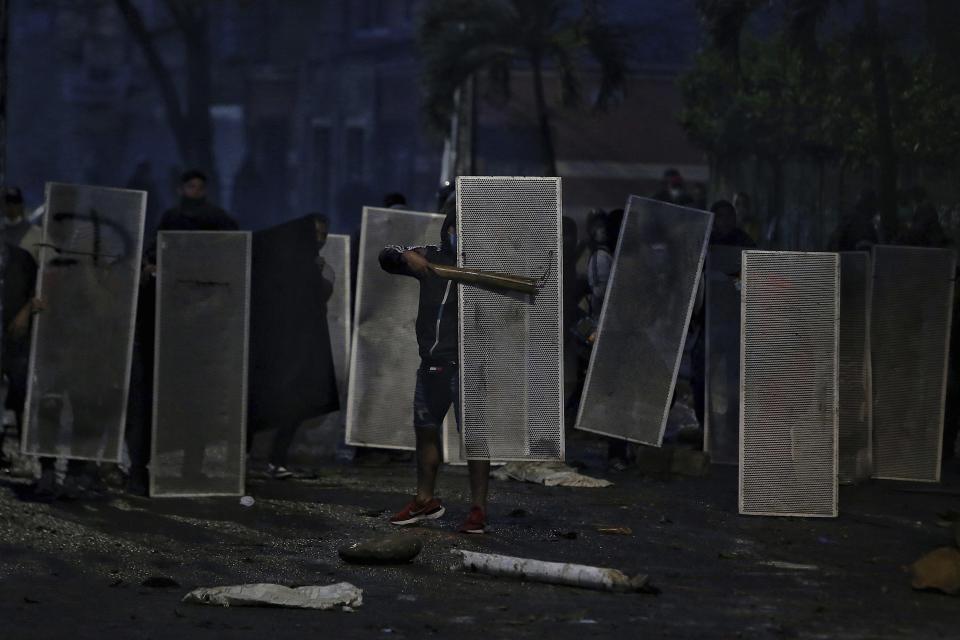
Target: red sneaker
[[414, 512], [476, 522]]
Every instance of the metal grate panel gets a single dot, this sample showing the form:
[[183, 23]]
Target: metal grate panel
[[385, 358], [788, 383], [910, 338], [855, 422], [722, 357], [89, 272], [336, 255], [200, 368], [643, 323], [511, 347]]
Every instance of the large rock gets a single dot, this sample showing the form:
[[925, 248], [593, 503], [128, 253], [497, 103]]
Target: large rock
[[394, 549]]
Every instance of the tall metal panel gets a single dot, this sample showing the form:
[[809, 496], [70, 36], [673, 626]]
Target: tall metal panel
[[511, 346], [89, 271], [200, 370], [336, 255], [911, 313], [855, 404], [643, 324], [788, 383], [722, 358], [385, 358]]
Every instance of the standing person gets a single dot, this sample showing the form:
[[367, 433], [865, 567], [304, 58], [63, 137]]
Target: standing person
[[19, 284], [14, 225], [292, 377], [192, 213], [437, 384], [673, 189]]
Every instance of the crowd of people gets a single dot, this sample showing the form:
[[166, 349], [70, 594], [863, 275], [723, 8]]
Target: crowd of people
[[285, 391]]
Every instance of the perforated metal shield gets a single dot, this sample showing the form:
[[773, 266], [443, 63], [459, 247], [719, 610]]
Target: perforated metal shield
[[910, 339], [646, 312], [336, 255], [385, 358], [855, 422], [722, 354], [788, 383], [511, 380], [89, 271], [200, 369]]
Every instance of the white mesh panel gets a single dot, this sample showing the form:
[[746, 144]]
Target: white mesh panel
[[788, 413], [510, 343], [646, 311], [722, 356], [385, 357], [336, 254], [200, 368], [853, 462], [910, 339], [89, 272]]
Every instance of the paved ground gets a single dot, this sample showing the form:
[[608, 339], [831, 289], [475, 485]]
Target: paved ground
[[75, 569]]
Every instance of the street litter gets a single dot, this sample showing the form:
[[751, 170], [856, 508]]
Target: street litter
[[341, 594], [574, 575], [616, 531], [551, 474], [939, 569]]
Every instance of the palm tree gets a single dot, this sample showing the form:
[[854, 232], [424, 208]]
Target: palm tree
[[460, 38]]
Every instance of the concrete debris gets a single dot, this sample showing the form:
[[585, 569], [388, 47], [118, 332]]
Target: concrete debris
[[574, 575], [939, 569], [394, 549], [551, 474], [342, 594]]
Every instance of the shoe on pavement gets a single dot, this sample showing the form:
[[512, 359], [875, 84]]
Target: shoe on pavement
[[415, 512], [476, 522], [279, 472]]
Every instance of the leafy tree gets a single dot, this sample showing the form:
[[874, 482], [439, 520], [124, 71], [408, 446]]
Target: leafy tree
[[460, 38]]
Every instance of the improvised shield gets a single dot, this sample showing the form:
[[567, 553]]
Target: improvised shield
[[722, 358], [911, 312], [788, 383], [511, 381], [200, 369], [384, 359], [336, 255], [650, 298], [82, 346], [855, 422]]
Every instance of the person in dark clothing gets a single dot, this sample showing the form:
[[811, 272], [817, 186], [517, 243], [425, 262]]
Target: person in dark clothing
[[291, 365], [673, 189], [856, 231], [19, 306], [193, 213], [14, 224], [437, 384], [725, 231], [394, 201]]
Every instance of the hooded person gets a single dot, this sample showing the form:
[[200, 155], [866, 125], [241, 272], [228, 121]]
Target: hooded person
[[292, 376], [437, 382]]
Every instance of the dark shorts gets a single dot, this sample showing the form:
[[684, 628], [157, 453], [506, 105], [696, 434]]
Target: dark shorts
[[438, 386]]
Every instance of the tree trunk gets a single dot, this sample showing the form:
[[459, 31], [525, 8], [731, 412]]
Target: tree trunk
[[199, 83], [192, 127], [886, 153], [4, 34], [548, 155]]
